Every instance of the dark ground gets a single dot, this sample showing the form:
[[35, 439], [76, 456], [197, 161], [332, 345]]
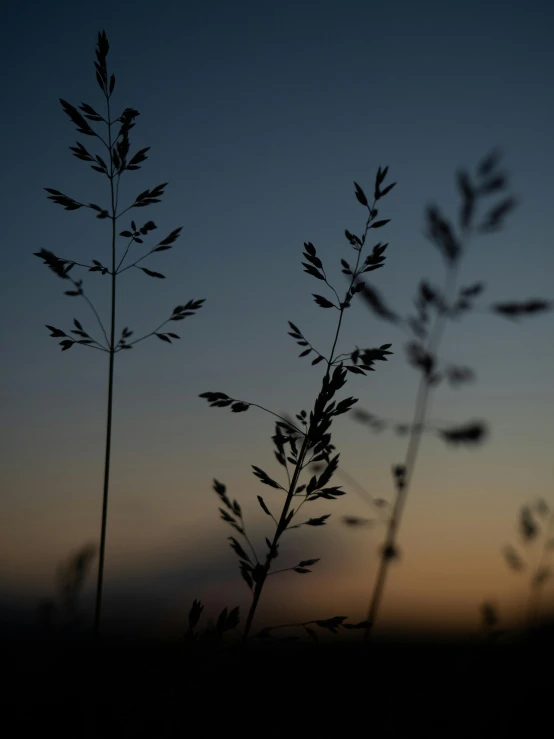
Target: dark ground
[[394, 688]]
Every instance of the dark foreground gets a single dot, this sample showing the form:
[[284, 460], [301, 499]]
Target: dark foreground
[[394, 688]]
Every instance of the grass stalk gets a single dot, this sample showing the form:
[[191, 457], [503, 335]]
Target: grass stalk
[[449, 303], [403, 482], [119, 161], [107, 457], [317, 417], [315, 439]]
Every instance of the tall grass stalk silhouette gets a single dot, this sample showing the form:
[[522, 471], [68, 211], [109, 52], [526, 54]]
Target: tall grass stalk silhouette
[[118, 160], [307, 440], [448, 303]]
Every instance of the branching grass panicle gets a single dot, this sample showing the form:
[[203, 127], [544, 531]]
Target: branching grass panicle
[[307, 440], [115, 161]]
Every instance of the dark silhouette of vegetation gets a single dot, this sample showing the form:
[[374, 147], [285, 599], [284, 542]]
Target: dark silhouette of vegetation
[[434, 307], [63, 614], [308, 439], [535, 527], [453, 686], [117, 161]]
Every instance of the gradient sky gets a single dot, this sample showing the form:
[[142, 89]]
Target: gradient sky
[[261, 115]]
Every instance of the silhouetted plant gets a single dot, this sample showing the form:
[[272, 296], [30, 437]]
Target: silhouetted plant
[[328, 624], [117, 161], [491, 621], [451, 302], [63, 613], [298, 444], [228, 620], [536, 526], [213, 633]]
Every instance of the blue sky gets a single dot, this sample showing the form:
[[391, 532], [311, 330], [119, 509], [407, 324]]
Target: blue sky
[[260, 116]]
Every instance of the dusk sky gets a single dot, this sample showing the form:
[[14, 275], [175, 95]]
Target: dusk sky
[[260, 116]]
